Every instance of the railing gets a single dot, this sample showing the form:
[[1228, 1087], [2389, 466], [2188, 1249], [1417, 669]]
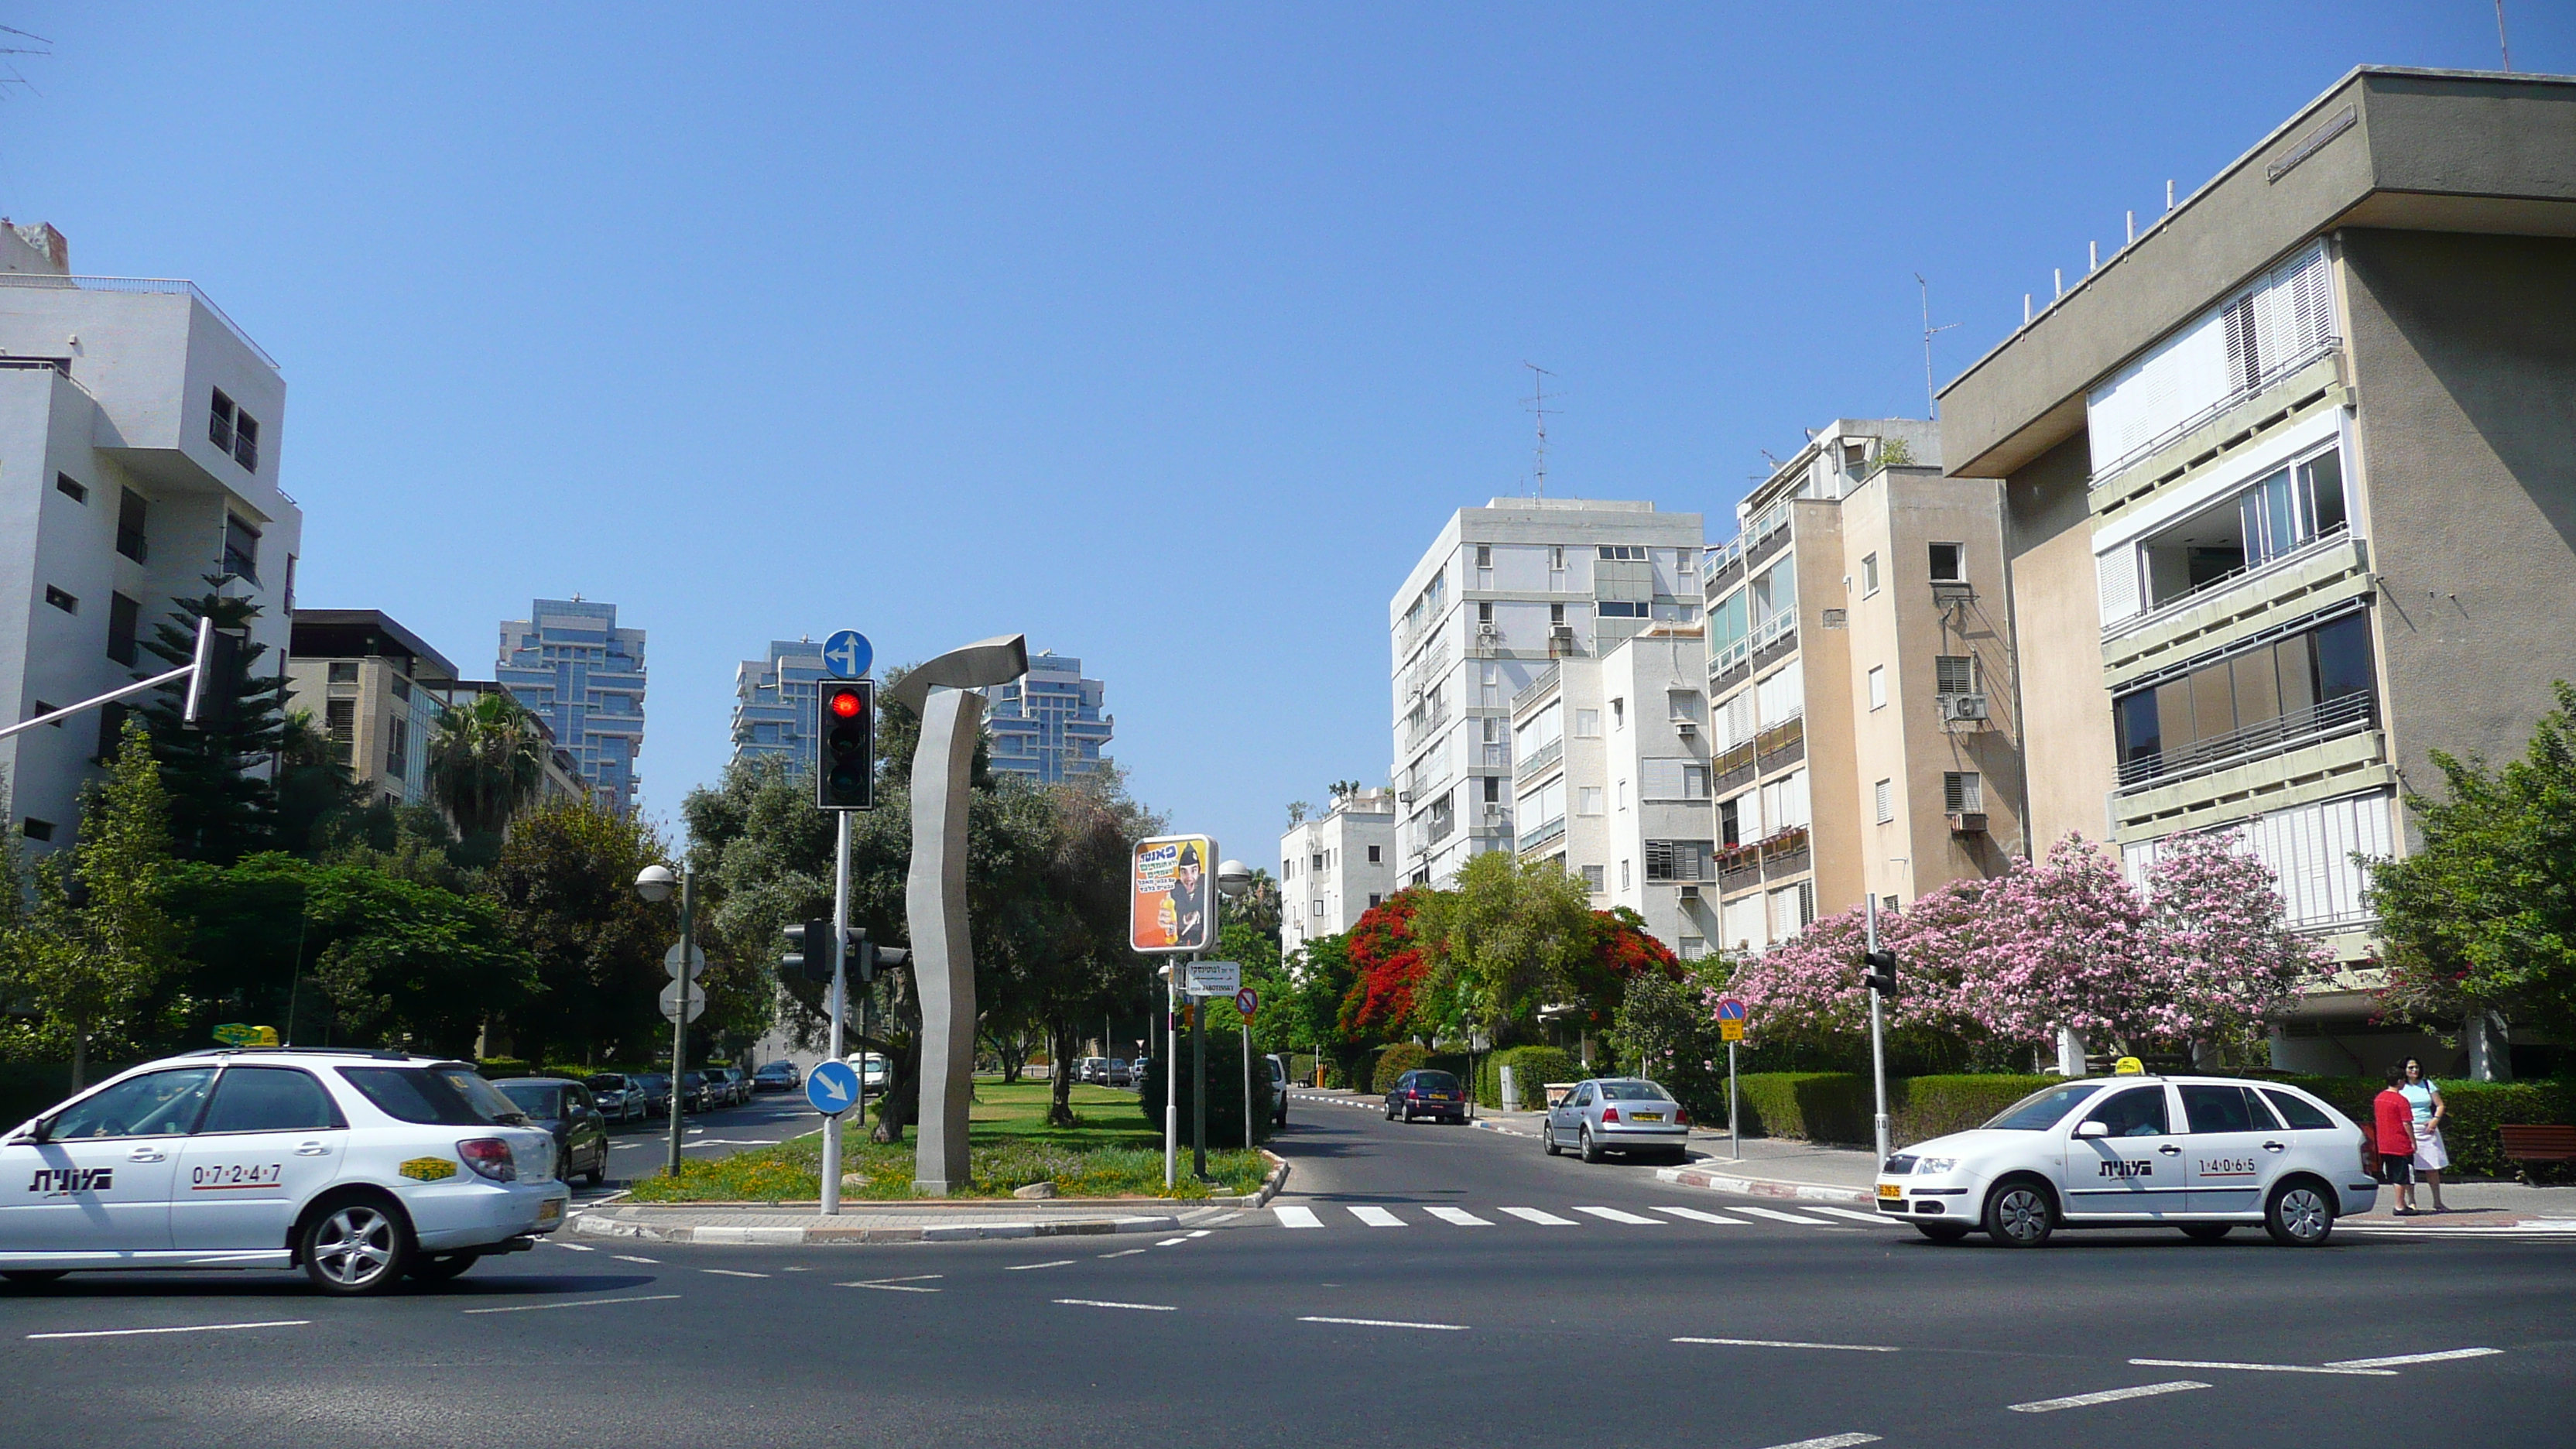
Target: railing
[[1539, 759], [1781, 736], [1726, 657], [2171, 435], [2201, 593], [1415, 734], [1443, 826], [2333, 717], [1792, 841], [166, 286], [1713, 560], [1545, 681], [1533, 839], [1738, 758]]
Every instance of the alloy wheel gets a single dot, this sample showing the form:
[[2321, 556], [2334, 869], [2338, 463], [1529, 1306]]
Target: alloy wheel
[[355, 1246]]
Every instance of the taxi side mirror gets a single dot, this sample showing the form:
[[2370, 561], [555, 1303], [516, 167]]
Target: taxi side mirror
[[2092, 1129]]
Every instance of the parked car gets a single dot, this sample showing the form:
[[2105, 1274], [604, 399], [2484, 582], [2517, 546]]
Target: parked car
[[727, 1086], [618, 1096], [1627, 1115], [2204, 1154], [696, 1095], [779, 1076], [360, 1167], [874, 1071], [567, 1112], [1122, 1072], [1278, 1090], [1427, 1093], [656, 1087]]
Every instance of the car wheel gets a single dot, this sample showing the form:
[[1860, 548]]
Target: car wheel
[[1390, 1111], [2299, 1214], [2019, 1214], [1942, 1232], [1591, 1149], [598, 1170], [2207, 1232], [34, 1277], [1547, 1139], [355, 1248], [439, 1267]]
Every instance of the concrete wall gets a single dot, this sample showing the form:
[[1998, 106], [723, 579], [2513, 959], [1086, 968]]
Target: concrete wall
[[2057, 613], [2464, 354]]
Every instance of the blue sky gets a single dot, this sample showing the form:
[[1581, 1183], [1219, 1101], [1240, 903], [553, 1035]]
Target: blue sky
[[1168, 336]]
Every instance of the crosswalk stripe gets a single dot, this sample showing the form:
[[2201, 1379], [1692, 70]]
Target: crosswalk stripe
[[1377, 1217], [1460, 1216], [1544, 1220], [1695, 1215], [1881, 1219], [1298, 1217], [1616, 1216], [1778, 1217]]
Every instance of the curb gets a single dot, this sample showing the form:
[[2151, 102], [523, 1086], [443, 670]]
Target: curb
[[1764, 1187], [592, 1225]]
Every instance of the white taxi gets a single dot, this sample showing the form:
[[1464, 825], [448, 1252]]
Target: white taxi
[[2204, 1154], [360, 1167]]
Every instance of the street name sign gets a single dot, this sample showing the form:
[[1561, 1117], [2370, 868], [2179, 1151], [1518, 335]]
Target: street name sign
[[847, 654], [697, 962], [1247, 1001], [671, 1003], [833, 1088], [1214, 978]]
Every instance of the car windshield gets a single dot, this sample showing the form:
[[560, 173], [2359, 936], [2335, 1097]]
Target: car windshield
[[444, 1096], [653, 1081], [1634, 1092], [2042, 1109], [608, 1082], [1429, 1082], [534, 1098]]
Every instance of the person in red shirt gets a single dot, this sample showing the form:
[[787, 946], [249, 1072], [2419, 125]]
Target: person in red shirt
[[2393, 1121]]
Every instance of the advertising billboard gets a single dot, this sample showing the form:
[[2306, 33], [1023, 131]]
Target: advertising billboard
[[1172, 902]]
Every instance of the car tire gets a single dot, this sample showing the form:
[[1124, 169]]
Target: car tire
[[2207, 1232], [1591, 1150], [598, 1170], [439, 1267], [1943, 1232], [356, 1247], [1390, 1111], [1547, 1140], [35, 1277], [2300, 1213], [2019, 1214]]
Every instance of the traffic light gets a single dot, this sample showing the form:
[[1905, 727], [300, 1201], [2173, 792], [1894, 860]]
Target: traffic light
[[1878, 972], [846, 731], [880, 958], [214, 690], [812, 958]]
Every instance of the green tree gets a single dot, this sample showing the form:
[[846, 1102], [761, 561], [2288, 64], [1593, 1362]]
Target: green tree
[[87, 954], [487, 761], [316, 793], [1511, 936], [566, 885], [2483, 917], [223, 803]]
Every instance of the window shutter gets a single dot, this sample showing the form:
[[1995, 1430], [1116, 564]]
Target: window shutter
[[1886, 802], [2118, 573]]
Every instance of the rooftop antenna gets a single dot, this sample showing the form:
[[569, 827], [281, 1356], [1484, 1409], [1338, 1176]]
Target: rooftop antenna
[[1931, 399], [10, 76], [2501, 46], [1536, 402]]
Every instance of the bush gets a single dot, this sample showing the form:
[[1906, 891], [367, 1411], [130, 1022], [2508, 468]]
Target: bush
[[1922, 1108], [495, 1068], [1533, 1067], [1394, 1062], [1225, 1092], [1815, 1106]]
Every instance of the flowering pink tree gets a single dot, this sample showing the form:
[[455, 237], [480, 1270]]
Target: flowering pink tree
[[2227, 963], [2070, 948]]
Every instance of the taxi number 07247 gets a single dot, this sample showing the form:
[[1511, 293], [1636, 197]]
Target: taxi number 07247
[[215, 1177]]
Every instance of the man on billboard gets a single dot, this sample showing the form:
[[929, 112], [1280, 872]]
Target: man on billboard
[[1189, 895]]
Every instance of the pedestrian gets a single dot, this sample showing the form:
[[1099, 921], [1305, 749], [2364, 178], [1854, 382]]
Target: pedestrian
[[2393, 1121], [2431, 1156]]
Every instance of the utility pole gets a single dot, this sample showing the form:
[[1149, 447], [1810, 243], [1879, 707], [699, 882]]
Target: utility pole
[[1877, 1036], [1931, 400]]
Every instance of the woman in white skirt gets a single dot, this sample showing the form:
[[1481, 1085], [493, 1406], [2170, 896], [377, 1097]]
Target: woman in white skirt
[[2430, 1155]]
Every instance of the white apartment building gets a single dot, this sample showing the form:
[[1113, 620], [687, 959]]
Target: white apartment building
[[139, 433], [1503, 592], [1612, 780], [1334, 867]]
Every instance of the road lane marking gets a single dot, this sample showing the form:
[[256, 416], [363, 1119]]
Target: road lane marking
[[1880, 1219], [2259, 1368], [1123, 1253], [2107, 1396], [572, 1247], [1777, 1216], [1102, 1303], [584, 1303], [2445, 1356], [1297, 1217], [1616, 1216], [1169, 1242], [1460, 1216], [1831, 1441], [1388, 1323], [1377, 1217], [190, 1328], [892, 1285], [1024, 1267], [1697, 1216], [1198, 1233], [631, 1258], [1793, 1343], [732, 1273], [1544, 1220]]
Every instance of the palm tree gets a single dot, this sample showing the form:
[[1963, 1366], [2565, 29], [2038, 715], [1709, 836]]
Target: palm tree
[[486, 762]]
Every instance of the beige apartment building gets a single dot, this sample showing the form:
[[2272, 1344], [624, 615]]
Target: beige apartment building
[[374, 690], [2290, 498], [1863, 725]]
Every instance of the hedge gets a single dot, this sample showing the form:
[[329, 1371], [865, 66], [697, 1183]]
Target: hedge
[[1394, 1062], [1533, 1067], [2472, 1113], [1225, 1092]]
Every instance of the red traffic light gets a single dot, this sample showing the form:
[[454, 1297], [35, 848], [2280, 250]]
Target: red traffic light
[[846, 704]]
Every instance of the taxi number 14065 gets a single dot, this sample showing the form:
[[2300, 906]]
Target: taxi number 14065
[[218, 1176]]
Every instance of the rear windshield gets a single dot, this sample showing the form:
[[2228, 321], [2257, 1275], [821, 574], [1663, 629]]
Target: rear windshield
[[1634, 1092], [534, 1099], [443, 1096], [2042, 1109], [2298, 1111], [1435, 1081]]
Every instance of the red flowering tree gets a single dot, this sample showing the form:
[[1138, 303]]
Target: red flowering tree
[[1622, 950], [1389, 969]]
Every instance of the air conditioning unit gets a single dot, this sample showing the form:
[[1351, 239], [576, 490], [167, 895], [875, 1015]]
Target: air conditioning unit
[[1690, 892], [1403, 797], [1494, 815], [1963, 707], [1967, 822], [1489, 631], [1686, 728]]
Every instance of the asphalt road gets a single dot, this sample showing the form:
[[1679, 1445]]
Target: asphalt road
[[1474, 1325]]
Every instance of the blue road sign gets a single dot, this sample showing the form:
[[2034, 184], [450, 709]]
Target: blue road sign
[[847, 654], [1730, 1009], [833, 1088]]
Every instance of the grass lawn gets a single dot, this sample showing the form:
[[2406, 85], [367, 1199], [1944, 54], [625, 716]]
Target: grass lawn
[[1112, 1152]]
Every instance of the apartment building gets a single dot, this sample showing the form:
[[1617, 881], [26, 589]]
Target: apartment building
[[374, 690], [1047, 725], [140, 432], [2289, 482], [1862, 731], [572, 667], [1334, 867], [774, 703], [1503, 592], [1611, 780]]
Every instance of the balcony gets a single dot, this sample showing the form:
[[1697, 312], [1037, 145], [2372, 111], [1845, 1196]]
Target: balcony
[[1443, 826], [1538, 688], [1418, 731], [1731, 768], [166, 286], [1539, 759], [2323, 721], [2276, 373], [1532, 839]]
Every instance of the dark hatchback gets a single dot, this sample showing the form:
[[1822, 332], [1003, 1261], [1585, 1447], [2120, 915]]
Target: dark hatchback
[[776, 1077], [1426, 1093], [567, 1110]]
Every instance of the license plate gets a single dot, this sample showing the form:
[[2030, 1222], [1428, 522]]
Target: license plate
[[549, 1210], [1889, 1189], [1650, 1116]]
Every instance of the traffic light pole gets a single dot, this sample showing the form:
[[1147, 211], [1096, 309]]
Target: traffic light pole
[[1877, 1040], [680, 1023], [195, 671], [1171, 1075], [840, 1007]]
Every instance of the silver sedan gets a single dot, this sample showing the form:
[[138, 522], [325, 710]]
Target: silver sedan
[[1627, 1115]]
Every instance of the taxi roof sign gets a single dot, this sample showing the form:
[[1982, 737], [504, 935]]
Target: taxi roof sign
[[2128, 1067]]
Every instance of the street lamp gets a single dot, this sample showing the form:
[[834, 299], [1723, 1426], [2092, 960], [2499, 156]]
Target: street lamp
[[654, 883]]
